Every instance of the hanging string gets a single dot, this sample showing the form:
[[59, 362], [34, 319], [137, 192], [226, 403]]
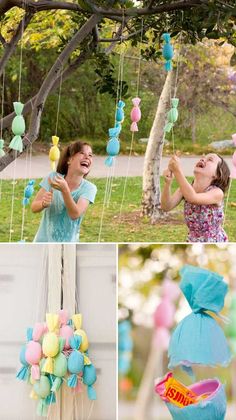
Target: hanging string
[[1, 127], [59, 101], [119, 97], [19, 98], [110, 171], [90, 410], [132, 137], [176, 87]]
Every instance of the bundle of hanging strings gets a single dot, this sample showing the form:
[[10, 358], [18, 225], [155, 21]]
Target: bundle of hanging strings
[[111, 169]]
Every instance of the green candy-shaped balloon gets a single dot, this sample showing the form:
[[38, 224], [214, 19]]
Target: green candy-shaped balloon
[[2, 153], [18, 127], [42, 387], [60, 365], [172, 115]]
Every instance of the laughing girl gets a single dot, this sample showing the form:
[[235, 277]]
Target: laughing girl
[[203, 199], [65, 196]]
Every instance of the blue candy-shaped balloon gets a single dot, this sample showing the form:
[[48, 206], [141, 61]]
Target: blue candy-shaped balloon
[[113, 145], [75, 361], [28, 192], [120, 115], [24, 372], [89, 378], [167, 52]]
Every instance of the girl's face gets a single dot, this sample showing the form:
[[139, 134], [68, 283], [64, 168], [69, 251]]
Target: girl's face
[[81, 162], [207, 165]]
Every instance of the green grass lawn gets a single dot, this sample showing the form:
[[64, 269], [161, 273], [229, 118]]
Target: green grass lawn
[[130, 228]]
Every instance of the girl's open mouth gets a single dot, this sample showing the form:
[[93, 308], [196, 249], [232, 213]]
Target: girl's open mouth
[[85, 164], [201, 164]]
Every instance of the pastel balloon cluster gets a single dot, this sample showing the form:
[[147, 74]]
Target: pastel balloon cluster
[[56, 353], [18, 127], [28, 192], [54, 153], [172, 115], [233, 173], [135, 114], [113, 145], [125, 346], [167, 52], [164, 314]]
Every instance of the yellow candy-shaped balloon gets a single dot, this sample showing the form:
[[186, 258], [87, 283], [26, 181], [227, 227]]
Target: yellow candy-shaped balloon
[[84, 344], [77, 320], [50, 344], [54, 153]]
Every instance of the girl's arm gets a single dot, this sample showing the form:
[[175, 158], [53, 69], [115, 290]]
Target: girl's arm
[[74, 210], [213, 196], [42, 200], [168, 201]]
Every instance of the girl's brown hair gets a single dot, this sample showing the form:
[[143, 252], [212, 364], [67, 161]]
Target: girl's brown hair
[[67, 153], [222, 178]]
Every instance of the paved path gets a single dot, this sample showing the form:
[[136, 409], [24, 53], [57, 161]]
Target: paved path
[[40, 166]]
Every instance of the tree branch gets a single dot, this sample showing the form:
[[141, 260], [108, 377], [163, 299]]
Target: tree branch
[[2, 40], [10, 47], [46, 87], [112, 13]]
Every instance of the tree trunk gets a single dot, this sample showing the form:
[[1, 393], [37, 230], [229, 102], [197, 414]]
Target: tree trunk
[[152, 161]]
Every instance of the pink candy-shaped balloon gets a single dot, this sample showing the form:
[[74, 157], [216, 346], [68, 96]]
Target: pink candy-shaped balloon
[[164, 314], [162, 338], [33, 356], [38, 331], [135, 114], [33, 352], [66, 331]]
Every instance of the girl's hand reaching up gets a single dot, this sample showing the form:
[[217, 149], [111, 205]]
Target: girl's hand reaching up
[[59, 183], [174, 164], [168, 176]]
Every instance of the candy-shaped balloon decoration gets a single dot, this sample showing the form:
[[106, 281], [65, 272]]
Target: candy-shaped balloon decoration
[[18, 127], [24, 373], [120, 115], [75, 361], [33, 353], [66, 329], [125, 346], [167, 52], [163, 316], [54, 153], [51, 342], [172, 115], [2, 153], [89, 378], [193, 340], [135, 114], [113, 145], [56, 355], [28, 192]]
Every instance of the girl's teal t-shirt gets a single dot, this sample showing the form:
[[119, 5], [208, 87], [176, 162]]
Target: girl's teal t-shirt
[[56, 225]]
